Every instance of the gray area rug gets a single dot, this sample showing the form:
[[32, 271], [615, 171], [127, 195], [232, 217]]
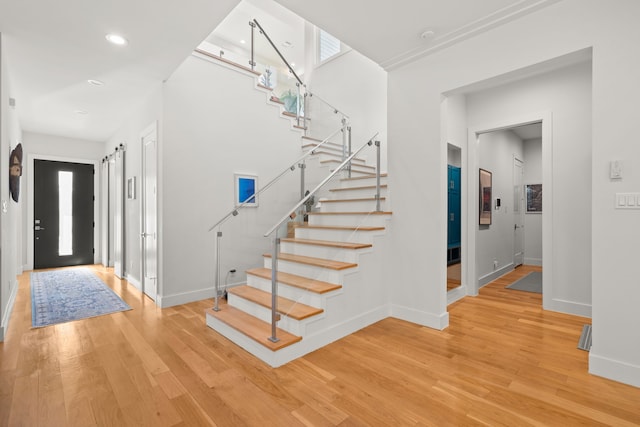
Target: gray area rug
[[532, 282]]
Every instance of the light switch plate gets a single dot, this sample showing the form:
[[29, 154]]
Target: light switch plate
[[615, 169]]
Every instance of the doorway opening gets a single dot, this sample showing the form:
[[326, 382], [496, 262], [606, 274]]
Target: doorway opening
[[517, 155]]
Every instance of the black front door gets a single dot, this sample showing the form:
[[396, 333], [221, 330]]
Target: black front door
[[63, 214]]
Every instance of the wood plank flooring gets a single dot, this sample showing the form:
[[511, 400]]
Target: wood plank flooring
[[502, 361]]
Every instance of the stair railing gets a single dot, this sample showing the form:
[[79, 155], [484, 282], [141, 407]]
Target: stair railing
[[302, 90], [275, 240], [299, 163]]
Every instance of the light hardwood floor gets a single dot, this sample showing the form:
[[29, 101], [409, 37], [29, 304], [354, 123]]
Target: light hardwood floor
[[502, 361]]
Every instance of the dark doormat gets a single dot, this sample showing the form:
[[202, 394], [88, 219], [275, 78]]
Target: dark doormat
[[532, 282]]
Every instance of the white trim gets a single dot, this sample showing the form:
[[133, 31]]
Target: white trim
[[30, 202], [431, 320], [533, 261], [488, 278], [569, 307], [165, 301], [612, 369], [8, 311], [133, 282], [149, 130], [470, 269], [456, 294]]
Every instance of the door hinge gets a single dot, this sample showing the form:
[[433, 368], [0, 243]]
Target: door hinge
[[94, 251], [94, 224]]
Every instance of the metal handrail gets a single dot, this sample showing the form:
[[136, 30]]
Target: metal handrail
[[277, 51], [234, 211], [276, 240], [290, 68], [327, 179]]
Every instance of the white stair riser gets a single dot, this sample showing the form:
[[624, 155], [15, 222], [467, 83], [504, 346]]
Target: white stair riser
[[286, 323], [353, 236], [357, 193], [356, 170], [327, 157], [349, 220], [325, 252], [311, 271], [363, 182], [291, 292], [351, 206]]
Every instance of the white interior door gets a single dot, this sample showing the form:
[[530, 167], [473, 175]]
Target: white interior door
[[149, 227], [518, 212]]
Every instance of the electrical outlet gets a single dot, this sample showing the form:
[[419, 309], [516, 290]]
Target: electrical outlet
[[495, 264]]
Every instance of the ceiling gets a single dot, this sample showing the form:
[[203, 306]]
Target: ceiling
[[389, 32], [53, 47]]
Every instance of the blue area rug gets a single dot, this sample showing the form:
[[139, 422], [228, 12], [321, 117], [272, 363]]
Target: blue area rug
[[64, 295]]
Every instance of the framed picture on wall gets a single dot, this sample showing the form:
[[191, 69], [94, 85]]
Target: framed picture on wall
[[485, 197], [245, 190], [533, 194]]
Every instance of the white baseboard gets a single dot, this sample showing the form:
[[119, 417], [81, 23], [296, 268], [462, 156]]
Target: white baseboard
[[431, 320], [8, 310], [164, 301], [533, 261], [133, 281], [568, 307], [615, 370], [307, 345], [456, 294], [488, 278]]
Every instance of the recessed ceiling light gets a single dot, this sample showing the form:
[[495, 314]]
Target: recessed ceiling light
[[293, 64], [95, 82], [117, 39], [81, 112], [427, 34], [242, 41]]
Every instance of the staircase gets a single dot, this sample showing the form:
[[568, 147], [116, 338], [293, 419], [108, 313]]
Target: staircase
[[328, 272], [324, 273]]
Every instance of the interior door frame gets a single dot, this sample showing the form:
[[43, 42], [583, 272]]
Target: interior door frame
[[31, 158], [471, 229], [152, 128], [521, 207]]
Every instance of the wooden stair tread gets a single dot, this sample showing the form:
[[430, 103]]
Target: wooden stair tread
[[318, 262], [358, 160], [226, 61], [286, 307], [253, 327], [311, 285], [366, 187], [293, 115], [276, 100], [342, 227], [350, 213], [328, 243], [328, 145], [357, 166], [362, 177], [363, 199]]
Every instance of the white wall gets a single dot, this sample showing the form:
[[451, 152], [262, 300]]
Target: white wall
[[533, 221], [566, 93], [216, 124], [143, 115], [357, 86], [495, 242], [11, 241], [38, 145], [418, 155]]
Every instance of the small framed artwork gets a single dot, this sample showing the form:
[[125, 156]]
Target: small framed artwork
[[533, 194], [131, 188], [485, 197], [246, 187]]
